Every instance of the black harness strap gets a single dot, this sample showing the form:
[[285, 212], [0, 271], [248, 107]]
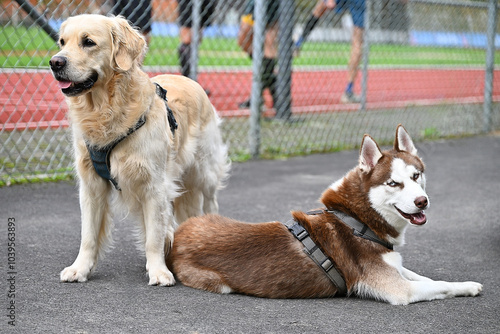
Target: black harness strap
[[162, 92], [314, 251], [100, 156], [317, 255], [360, 229]]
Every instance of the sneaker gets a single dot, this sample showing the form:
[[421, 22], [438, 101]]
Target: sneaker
[[244, 105], [350, 98]]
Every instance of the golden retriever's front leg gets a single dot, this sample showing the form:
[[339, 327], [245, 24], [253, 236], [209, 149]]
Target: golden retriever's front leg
[[159, 227], [96, 229]]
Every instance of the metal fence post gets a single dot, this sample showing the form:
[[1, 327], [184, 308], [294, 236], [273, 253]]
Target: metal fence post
[[283, 103], [490, 64], [195, 39], [259, 30], [366, 53]]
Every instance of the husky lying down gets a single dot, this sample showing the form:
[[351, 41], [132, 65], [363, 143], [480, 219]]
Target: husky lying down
[[343, 249]]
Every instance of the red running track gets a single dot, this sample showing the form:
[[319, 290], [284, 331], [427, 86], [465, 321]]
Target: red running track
[[33, 100]]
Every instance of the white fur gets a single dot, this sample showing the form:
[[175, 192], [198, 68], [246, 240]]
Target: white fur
[[153, 166], [396, 284], [411, 287], [402, 286], [384, 198], [370, 154], [225, 289], [335, 185]]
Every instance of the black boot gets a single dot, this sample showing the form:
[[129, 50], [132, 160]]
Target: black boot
[[268, 76], [268, 80], [184, 58]]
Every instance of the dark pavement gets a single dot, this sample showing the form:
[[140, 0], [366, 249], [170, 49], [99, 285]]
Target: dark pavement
[[460, 242]]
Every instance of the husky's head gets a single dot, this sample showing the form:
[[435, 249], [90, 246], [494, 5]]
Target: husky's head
[[397, 181]]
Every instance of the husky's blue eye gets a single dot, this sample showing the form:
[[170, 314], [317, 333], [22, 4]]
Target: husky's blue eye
[[415, 176], [392, 183]]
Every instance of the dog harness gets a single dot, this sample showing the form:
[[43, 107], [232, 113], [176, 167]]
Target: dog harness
[[359, 229], [100, 156], [317, 255], [315, 252]]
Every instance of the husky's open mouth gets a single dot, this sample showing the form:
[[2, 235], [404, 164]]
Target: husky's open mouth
[[70, 88], [418, 218]]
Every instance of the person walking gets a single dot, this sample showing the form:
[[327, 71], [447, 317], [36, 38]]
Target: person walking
[[357, 10]]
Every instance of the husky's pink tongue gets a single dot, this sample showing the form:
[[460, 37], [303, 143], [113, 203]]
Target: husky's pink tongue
[[64, 84], [418, 218]]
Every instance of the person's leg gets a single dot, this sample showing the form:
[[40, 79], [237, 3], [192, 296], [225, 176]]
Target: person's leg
[[355, 58], [185, 50], [317, 12], [357, 10], [269, 61], [268, 78], [185, 22]]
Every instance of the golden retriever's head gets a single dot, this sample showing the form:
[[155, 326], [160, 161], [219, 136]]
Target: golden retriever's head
[[93, 48]]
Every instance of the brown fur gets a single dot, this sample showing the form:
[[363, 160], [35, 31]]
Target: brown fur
[[222, 255]]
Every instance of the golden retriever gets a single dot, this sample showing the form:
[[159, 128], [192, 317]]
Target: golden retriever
[[163, 174]]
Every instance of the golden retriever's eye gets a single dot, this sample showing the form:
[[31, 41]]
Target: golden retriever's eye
[[61, 42], [87, 42]]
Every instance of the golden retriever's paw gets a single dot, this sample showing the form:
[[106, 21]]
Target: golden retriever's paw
[[74, 274], [161, 278]]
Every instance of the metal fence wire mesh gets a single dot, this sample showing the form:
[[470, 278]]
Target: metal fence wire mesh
[[287, 77]]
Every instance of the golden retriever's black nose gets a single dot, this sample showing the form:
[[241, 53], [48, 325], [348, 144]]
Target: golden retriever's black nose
[[57, 63]]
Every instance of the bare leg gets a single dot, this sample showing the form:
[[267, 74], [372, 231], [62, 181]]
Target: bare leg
[[356, 52]]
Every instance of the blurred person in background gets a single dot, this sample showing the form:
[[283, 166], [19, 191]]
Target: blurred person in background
[[245, 38], [185, 8], [357, 10], [138, 13]]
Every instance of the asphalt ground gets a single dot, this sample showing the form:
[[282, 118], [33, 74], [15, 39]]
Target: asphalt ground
[[460, 242]]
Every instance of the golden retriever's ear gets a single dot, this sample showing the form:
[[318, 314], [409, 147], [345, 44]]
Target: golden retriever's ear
[[128, 44]]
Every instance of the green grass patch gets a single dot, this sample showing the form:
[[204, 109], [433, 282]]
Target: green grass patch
[[37, 177], [32, 47], [430, 133]]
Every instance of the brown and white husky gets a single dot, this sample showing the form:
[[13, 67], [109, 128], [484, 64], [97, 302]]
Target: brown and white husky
[[366, 212]]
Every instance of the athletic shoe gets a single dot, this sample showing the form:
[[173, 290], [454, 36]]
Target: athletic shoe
[[244, 105], [350, 98]]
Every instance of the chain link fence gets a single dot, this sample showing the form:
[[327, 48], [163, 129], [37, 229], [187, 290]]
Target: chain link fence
[[428, 64]]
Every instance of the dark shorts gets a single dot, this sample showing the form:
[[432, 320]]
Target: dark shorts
[[356, 8], [185, 9], [271, 11], [138, 12]]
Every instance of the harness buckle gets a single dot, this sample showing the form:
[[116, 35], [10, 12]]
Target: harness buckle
[[302, 235], [327, 265]]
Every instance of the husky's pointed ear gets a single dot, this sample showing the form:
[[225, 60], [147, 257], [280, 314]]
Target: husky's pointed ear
[[369, 154], [403, 141], [128, 44]]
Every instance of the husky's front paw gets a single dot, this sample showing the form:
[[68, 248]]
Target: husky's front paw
[[74, 274], [161, 277], [472, 288]]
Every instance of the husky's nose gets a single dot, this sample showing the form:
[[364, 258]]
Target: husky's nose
[[57, 63], [421, 202]]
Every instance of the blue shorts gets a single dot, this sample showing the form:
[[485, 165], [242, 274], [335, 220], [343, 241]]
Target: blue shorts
[[356, 8]]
